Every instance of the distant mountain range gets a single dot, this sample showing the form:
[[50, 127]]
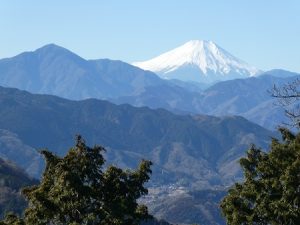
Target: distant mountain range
[[200, 61], [250, 98], [189, 152], [57, 71], [199, 150]]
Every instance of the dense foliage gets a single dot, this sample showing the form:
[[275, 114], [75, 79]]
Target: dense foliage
[[270, 193], [76, 189]]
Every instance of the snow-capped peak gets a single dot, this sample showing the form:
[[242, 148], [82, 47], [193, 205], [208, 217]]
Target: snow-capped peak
[[205, 58]]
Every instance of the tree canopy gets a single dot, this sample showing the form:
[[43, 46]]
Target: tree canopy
[[270, 193], [76, 189]]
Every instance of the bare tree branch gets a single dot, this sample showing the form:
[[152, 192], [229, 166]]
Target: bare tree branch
[[288, 97]]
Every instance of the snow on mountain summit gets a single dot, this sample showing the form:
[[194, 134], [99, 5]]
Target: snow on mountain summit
[[198, 60]]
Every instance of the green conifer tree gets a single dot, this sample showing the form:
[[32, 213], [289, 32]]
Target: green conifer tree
[[270, 193], [77, 190]]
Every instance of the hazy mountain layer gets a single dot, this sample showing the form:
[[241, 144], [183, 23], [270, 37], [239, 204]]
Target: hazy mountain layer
[[250, 98], [55, 70]]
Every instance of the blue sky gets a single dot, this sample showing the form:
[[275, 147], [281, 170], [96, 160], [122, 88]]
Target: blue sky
[[264, 33]]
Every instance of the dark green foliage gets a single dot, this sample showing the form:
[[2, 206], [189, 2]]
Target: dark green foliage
[[76, 190], [12, 219], [270, 193]]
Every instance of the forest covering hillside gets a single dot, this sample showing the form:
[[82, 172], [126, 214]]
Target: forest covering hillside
[[12, 180]]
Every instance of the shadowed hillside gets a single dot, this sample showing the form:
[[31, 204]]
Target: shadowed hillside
[[12, 179]]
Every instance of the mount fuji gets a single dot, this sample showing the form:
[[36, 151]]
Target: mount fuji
[[201, 61]]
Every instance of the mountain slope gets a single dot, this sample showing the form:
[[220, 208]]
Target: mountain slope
[[201, 61], [188, 207], [249, 98], [12, 148], [55, 70], [189, 150], [12, 179]]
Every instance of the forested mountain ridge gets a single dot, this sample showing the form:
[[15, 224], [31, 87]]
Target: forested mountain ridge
[[198, 150]]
